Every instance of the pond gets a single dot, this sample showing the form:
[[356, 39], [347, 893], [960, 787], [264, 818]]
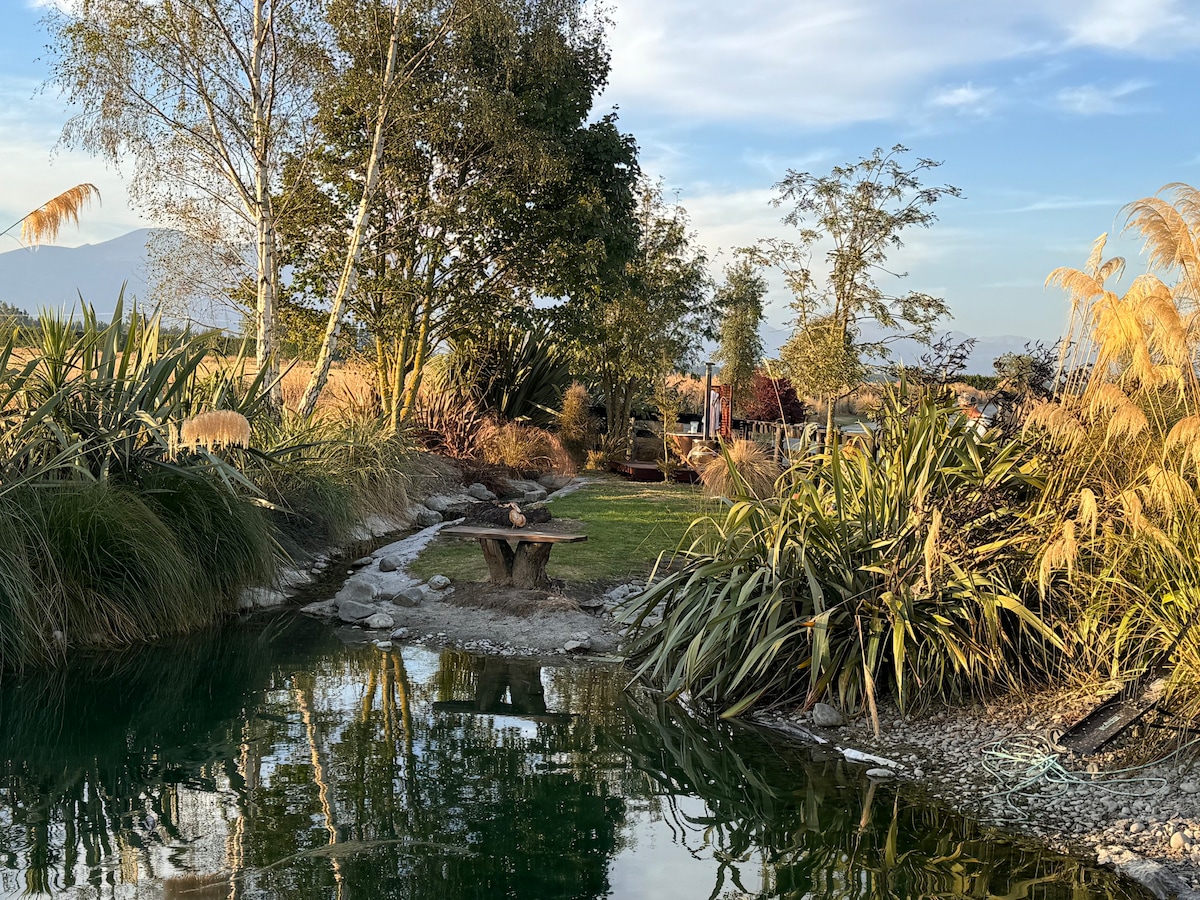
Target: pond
[[268, 759]]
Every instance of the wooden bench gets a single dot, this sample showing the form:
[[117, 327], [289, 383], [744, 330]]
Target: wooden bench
[[523, 566]]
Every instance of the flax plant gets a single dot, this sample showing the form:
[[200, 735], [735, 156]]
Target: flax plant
[[892, 565]]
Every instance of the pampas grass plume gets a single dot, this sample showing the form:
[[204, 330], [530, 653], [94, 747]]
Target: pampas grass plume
[[215, 428]]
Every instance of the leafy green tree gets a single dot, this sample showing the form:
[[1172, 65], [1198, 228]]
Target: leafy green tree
[[856, 215], [740, 348], [633, 330], [493, 187]]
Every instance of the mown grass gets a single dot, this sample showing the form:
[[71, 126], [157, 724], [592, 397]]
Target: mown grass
[[628, 525]]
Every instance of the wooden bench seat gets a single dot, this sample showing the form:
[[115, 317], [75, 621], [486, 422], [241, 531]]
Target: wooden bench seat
[[523, 566]]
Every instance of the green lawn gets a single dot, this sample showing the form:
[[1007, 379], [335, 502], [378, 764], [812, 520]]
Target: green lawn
[[627, 525]]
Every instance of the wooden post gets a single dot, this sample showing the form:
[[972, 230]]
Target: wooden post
[[499, 557], [529, 565]]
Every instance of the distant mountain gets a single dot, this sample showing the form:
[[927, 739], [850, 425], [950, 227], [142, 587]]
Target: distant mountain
[[55, 277]]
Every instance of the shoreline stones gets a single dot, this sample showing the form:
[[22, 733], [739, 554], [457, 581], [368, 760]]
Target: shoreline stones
[[1145, 823]]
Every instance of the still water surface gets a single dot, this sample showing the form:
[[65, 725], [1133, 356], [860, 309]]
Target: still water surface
[[269, 760]]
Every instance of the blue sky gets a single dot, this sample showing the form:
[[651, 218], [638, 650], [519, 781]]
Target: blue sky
[[1048, 114]]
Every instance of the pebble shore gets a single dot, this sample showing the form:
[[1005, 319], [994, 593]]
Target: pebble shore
[[998, 764]]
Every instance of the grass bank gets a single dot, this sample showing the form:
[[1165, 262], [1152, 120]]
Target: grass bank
[[628, 525]]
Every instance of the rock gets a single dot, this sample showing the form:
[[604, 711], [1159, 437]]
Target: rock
[[389, 564], [399, 634], [423, 516], [480, 492], [324, 608], [362, 561], [574, 646], [536, 496], [1178, 841], [379, 620], [261, 597], [413, 596], [880, 773], [437, 504], [825, 716], [518, 486], [1190, 787], [439, 582], [384, 645], [555, 482], [353, 611], [357, 591], [620, 592]]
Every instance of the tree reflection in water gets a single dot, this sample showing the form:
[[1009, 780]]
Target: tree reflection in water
[[804, 824], [269, 760]]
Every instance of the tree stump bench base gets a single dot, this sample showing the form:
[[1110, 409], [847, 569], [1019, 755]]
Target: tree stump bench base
[[522, 566]]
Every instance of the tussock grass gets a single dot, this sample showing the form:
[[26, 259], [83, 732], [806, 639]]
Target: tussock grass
[[743, 469]]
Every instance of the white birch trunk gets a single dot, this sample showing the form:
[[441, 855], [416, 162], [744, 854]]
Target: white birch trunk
[[333, 329]]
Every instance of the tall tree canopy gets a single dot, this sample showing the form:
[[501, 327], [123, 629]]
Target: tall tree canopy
[[636, 326], [740, 347], [494, 186]]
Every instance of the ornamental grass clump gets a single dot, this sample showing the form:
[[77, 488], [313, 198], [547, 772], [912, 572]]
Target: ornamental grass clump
[[743, 469], [891, 566], [1122, 499]]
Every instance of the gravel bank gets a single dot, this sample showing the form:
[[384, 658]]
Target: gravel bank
[[997, 764]]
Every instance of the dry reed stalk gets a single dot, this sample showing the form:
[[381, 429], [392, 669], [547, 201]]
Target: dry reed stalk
[[43, 223]]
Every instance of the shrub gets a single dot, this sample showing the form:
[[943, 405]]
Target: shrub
[[576, 426], [773, 400], [892, 565], [516, 373], [523, 449], [743, 469]]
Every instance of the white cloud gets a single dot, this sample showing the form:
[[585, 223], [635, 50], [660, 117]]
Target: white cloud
[[1095, 100], [966, 99], [1054, 204], [1153, 27], [820, 65]]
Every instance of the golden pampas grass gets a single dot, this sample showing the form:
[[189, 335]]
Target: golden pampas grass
[[1088, 512], [1185, 434], [1105, 398], [754, 471], [1126, 423], [1058, 422], [43, 223], [215, 428], [1060, 554], [1166, 492], [1132, 510]]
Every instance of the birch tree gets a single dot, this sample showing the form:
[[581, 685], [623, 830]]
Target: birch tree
[[204, 98]]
